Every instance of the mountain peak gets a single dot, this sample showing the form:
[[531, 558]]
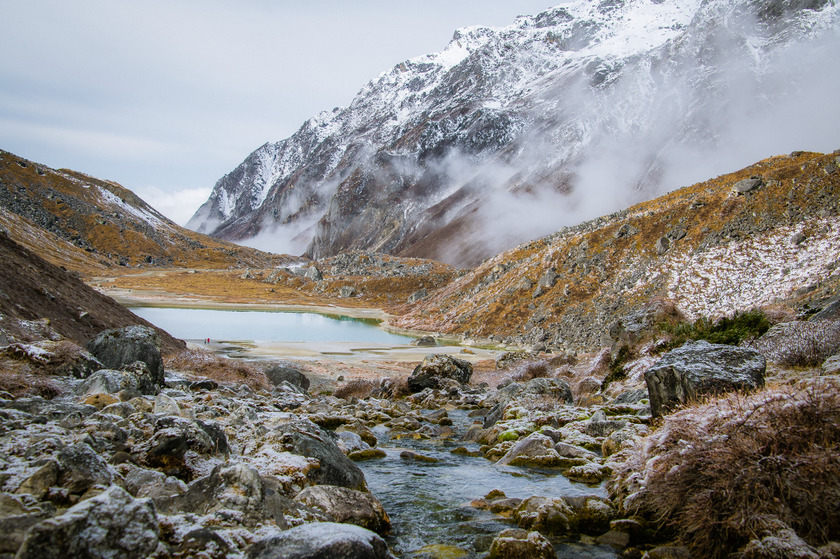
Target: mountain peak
[[509, 133]]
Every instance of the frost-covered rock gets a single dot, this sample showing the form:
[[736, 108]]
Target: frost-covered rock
[[321, 540], [535, 450], [109, 381], [123, 346], [234, 490], [112, 524], [435, 368], [307, 439], [514, 543], [700, 368], [81, 467], [347, 506]]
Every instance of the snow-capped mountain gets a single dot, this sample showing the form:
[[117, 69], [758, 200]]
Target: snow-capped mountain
[[510, 133]]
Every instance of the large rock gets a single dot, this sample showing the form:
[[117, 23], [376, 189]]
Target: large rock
[[521, 544], [436, 367], [229, 487], [112, 524], [554, 388], [347, 506], [123, 346], [284, 372], [307, 439], [80, 468], [136, 379], [322, 540], [700, 368], [535, 450]]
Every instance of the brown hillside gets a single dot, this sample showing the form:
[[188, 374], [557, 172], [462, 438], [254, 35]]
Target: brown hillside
[[88, 224], [709, 249], [41, 301]]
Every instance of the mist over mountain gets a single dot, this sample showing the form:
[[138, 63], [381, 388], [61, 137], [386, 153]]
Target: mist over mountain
[[511, 133]]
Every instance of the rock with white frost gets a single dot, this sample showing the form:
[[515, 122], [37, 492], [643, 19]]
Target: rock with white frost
[[521, 544], [436, 368], [322, 540], [123, 346], [347, 506], [112, 524], [234, 487], [535, 450], [81, 468], [699, 368], [307, 439]]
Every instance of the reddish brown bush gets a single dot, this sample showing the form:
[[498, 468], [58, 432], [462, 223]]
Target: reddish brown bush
[[356, 388], [527, 370], [725, 472]]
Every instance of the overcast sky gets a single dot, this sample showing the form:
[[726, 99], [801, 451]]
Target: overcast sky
[[167, 96]]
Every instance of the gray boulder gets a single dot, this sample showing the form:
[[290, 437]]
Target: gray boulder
[[123, 346], [424, 341], [307, 439], [515, 543], [80, 468], [347, 506], [229, 487], [700, 368], [136, 379], [112, 524], [535, 450], [747, 185], [322, 540], [436, 367], [283, 372], [555, 388]]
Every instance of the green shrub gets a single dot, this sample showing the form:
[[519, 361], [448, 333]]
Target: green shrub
[[740, 327]]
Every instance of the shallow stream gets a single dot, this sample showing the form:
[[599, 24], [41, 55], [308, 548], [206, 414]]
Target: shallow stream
[[429, 503]]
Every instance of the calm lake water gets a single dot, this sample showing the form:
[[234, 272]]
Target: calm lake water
[[266, 326]]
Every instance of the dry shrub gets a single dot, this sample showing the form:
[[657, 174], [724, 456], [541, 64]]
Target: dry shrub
[[800, 344], [725, 472], [528, 370], [21, 382], [206, 364], [356, 388]]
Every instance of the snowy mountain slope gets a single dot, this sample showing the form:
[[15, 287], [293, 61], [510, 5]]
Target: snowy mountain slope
[[510, 133]]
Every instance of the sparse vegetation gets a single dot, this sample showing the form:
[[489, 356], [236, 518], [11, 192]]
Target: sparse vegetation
[[741, 468], [801, 344], [209, 365], [527, 370], [617, 363]]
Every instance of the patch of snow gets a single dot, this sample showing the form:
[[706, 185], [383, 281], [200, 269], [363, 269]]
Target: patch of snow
[[150, 217], [742, 275]]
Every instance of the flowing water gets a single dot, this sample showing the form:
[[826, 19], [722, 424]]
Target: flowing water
[[429, 503]]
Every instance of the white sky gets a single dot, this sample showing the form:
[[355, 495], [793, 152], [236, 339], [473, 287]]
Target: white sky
[[166, 96]]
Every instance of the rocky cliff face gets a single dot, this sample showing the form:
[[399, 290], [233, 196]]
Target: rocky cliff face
[[767, 236], [509, 133]]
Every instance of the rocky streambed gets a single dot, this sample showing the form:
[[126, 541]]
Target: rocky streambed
[[132, 462]]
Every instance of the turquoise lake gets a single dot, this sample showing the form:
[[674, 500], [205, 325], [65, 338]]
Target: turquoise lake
[[266, 326]]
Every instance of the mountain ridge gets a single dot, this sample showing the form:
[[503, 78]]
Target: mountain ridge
[[89, 224]]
